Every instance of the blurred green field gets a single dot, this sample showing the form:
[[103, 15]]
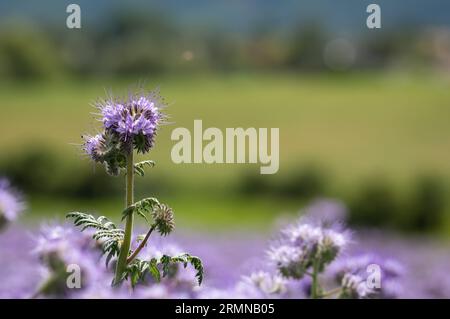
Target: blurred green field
[[354, 126]]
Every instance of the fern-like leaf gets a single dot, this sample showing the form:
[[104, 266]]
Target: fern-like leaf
[[184, 259], [143, 208], [106, 232], [139, 168], [138, 269], [154, 270]]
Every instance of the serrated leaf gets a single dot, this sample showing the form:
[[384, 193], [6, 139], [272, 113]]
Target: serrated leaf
[[106, 232], [154, 270], [184, 259], [143, 208], [136, 271], [139, 168]]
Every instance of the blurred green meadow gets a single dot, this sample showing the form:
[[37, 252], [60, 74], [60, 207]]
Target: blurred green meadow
[[363, 114], [338, 133]]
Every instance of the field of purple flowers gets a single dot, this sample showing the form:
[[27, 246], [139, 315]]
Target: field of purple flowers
[[34, 262], [315, 256]]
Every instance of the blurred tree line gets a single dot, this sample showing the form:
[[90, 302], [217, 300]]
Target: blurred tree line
[[421, 207], [134, 43]]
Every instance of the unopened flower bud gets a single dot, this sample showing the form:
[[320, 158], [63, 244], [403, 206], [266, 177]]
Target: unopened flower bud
[[163, 217]]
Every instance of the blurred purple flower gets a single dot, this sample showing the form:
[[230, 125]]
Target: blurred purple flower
[[262, 285], [11, 204], [326, 212], [57, 247], [425, 274], [18, 272], [301, 245], [354, 275]]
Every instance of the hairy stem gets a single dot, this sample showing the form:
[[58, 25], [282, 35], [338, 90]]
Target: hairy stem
[[315, 283], [141, 245], [125, 248]]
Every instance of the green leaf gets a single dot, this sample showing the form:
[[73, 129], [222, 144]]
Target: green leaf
[[143, 208], [154, 270], [184, 259], [139, 168], [106, 232], [136, 271]]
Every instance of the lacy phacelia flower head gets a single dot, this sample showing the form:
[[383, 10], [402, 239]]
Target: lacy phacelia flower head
[[135, 121], [289, 260], [261, 284], [305, 245], [105, 149], [127, 125], [367, 276], [58, 247], [354, 287], [331, 243], [11, 204], [95, 147]]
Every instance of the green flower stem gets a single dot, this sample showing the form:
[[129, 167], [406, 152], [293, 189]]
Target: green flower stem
[[315, 282], [141, 245], [125, 247]]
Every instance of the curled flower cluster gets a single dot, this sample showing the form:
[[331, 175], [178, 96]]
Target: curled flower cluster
[[127, 125], [263, 285], [163, 217], [359, 278], [59, 247], [11, 204], [305, 246]]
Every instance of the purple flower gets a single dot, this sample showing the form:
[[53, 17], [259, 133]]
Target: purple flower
[[105, 149], [134, 121], [95, 147], [57, 247], [111, 112], [367, 275], [303, 245], [127, 125], [326, 212], [264, 284], [290, 261], [18, 272], [11, 204]]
